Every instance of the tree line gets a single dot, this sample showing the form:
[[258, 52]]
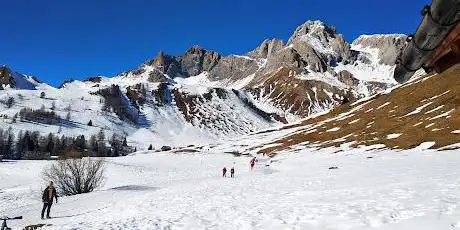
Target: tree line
[[33, 145]]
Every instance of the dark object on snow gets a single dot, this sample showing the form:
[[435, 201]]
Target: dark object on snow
[[150, 147], [334, 167], [369, 157], [4, 219], [345, 100], [35, 226], [90, 123], [47, 198], [234, 153], [232, 172], [224, 172], [166, 148], [436, 43]]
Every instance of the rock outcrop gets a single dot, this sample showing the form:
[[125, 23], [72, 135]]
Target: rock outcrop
[[316, 56], [388, 46], [6, 78]]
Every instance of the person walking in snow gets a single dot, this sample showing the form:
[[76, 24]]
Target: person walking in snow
[[224, 172], [47, 198], [232, 172], [253, 162]]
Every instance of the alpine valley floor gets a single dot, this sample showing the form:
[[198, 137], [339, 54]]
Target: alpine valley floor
[[378, 189]]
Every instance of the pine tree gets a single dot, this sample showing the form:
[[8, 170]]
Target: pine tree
[[2, 143], [116, 145], [101, 149], [90, 123], [9, 147], [50, 145], [80, 143], [93, 144], [20, 145], [150, 147], [125, 142]]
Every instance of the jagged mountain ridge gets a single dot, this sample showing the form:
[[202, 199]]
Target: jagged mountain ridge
[[315, 53], [209, 96]]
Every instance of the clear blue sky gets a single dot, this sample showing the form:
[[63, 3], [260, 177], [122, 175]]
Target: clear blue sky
[[58, 39]]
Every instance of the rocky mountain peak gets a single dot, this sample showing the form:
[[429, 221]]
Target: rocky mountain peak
[[197, 59], [316, 29], [162, 59], [388, 45], [267, 49]]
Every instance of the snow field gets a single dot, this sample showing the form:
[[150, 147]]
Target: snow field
[[369, 190]]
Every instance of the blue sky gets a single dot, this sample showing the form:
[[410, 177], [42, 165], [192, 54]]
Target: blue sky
[[56, 40]]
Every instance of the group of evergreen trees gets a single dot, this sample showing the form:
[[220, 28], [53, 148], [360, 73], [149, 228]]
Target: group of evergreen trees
[[39, 115], [41, 147], [115, 101]]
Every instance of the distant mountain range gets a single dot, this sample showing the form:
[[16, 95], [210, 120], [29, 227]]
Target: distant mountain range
[[201, 96]]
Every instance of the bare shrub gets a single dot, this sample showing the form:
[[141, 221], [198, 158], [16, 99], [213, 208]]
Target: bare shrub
[[76, 176]]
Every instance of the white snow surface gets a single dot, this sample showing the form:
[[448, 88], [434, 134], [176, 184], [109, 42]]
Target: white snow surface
[[415, 189], [158, 125], [393, 135], [24, 82]]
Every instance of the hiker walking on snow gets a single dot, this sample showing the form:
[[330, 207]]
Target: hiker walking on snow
[[224, 172], [232, 172], [47, 198], [253, 162]]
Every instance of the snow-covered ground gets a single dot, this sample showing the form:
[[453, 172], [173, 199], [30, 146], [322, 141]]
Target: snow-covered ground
[[416, 189], [157, 125]]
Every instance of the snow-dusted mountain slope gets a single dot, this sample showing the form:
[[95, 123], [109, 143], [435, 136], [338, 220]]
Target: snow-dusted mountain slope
[[152, 113], [423, 112], [201, 96], [400, 190], [10, 79]]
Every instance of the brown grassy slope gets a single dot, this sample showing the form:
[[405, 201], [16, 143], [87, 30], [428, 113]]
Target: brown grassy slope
[[298, 96], [437, 98]]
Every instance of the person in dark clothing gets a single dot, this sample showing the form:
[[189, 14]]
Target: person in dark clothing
[[224, 172], [232, 172], [253, 162], [47, 198]]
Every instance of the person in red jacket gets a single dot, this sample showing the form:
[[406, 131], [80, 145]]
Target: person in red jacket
[[224, 172], [232, 172]]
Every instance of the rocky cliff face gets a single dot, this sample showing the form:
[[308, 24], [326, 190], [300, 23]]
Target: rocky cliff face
[[202, 94], [388, 46], [284, 75], [6, 78]]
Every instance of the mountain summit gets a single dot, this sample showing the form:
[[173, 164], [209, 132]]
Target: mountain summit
[[201, 95]]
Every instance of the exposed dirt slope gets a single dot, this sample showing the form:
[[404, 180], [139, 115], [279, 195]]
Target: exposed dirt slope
[[426, 110]]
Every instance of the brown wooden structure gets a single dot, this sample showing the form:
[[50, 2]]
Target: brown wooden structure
[[448, 53]]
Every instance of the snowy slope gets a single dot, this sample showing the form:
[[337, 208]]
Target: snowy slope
[[157, 125], [400, 190], [15, 80], [317, 70]]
